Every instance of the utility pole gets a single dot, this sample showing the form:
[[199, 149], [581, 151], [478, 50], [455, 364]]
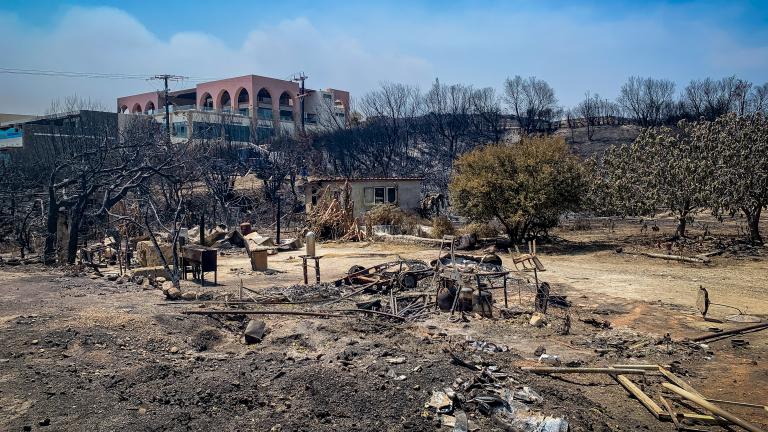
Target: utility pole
[[166, 78], [300, 77]]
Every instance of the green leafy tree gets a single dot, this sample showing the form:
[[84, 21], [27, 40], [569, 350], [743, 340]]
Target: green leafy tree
[[526, 186], [740, 154], [664, 168]]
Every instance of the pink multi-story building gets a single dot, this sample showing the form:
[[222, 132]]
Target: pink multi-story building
[[251, 100]]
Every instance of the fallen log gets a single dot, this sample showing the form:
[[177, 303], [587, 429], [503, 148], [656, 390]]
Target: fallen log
[[712, 408], [257, 312], [675, 257], [748, 329]]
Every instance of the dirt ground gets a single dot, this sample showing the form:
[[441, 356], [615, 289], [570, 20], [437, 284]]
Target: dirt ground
[[82, 353]]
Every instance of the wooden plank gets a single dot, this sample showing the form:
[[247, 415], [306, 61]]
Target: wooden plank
[[678, 381], [548, 370], [672, 414], [712, 408], [647, 402], [637, 366]]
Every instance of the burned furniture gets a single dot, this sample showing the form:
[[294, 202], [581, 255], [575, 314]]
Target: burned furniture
[[200, 260], [403, 273]]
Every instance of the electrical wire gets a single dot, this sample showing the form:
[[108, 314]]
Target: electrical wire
[[95, 75]]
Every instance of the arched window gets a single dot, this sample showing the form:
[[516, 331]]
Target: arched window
[[264, 105], [243, 100], [206, 102], [150, 108], [225, 102], [286, 107], [124, 109], [136, 109]]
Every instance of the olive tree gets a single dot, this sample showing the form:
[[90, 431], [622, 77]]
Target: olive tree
[[526, 185], [739, 147], [664, 169]]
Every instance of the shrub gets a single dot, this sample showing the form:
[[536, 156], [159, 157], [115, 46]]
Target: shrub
[[525, 186], [388, 214], [480, 230], [441, 226]]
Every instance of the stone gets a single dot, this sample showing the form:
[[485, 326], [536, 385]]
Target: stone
[[160, 280], [540, 350], [538, 319], [189, 295], [139, 280], [112, 277], [35, 341], [254, 331], [44, 422], [395, 360], [174, 350]]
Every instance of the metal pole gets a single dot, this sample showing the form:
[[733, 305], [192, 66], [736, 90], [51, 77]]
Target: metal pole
[[167, 112], [277, 236]]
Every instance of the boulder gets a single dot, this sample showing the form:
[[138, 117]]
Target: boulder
[[235, 238], [148, 256], [189, 295], [217, 233], [538, 319], [254, 332]]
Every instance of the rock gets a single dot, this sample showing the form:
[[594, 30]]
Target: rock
[[395, 360], [254, 332], [174, 350], [139, 280], [548, 359], [538, 319], [189, 295], [112, 277], [142, 411], [171, 292], [160, 280], [539, 351], [35, 341], [45, 422], [440, 402]]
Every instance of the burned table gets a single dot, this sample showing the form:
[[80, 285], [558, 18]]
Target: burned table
[[200, 260]]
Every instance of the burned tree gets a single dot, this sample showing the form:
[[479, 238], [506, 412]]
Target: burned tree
[[649, 101], [85, 163], [531, 100]]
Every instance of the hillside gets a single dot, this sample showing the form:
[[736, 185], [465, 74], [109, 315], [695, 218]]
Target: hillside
[[604, 137]]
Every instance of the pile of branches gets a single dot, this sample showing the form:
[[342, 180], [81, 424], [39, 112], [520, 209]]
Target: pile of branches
[[332, 218]]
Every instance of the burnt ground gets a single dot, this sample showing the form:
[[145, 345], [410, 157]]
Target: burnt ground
[[83, 354]]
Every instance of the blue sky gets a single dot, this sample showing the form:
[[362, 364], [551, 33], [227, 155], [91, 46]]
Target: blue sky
[[576, 46]]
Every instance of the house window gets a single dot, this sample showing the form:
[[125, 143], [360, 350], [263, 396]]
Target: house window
[[380, 195]]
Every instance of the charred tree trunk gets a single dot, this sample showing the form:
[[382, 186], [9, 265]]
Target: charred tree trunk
[[74, 235], [49, 253]]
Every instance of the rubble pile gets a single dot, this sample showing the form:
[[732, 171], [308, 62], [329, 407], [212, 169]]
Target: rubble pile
[[493, 393]]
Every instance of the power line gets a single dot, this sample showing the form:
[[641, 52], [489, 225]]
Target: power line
[[95, 75]]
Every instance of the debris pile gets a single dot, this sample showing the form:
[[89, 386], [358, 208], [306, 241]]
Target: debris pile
[[494, 394], [332, 218]]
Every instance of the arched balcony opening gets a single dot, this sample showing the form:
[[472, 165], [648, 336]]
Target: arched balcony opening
[[136, 109], [225, 102], [243, 102], [150, 108], [286, 107], [264, 105], [123, 109], [206, 102]]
